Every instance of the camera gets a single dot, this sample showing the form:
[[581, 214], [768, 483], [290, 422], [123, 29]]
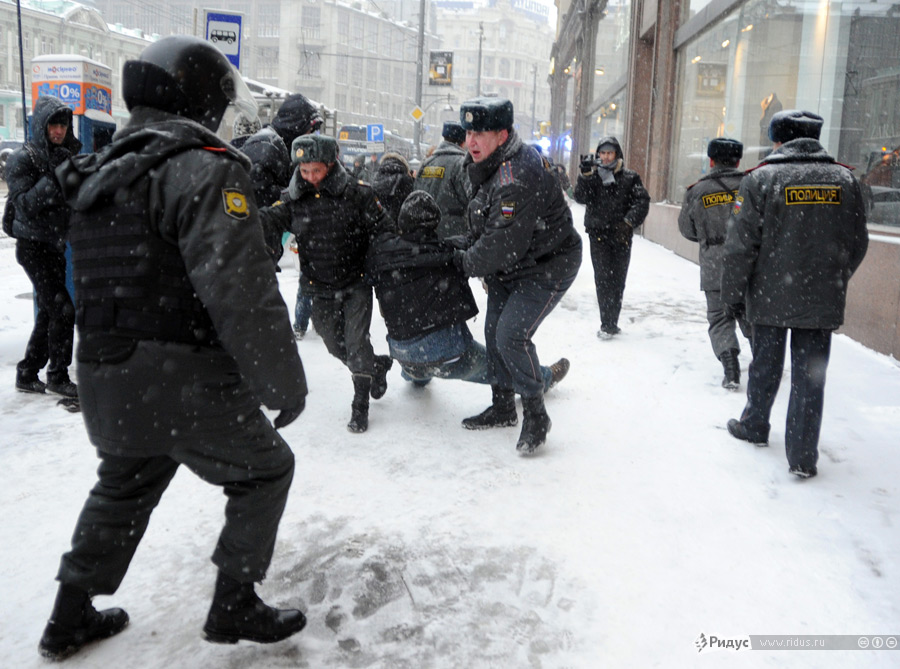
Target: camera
[[587, 163]]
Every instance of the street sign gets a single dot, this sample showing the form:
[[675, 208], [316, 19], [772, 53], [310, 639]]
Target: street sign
[[223, 29], [417, 113], [374, 147], [375, 132]]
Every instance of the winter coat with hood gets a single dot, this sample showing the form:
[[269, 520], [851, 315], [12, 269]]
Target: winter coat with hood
[[796, 235], [613, 211], [418, 287], [333, 225], [704, 217], [443, 176], [519, 223], [167, 211], [270, 165], [393, 183], [42, 214]]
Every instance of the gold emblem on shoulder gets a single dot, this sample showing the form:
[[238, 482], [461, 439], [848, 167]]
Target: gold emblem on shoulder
[[235, 204]]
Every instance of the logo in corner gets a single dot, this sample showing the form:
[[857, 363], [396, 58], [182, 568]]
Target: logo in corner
[[701, 643], [235, 204]]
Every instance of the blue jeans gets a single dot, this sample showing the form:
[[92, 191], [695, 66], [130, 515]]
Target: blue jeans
[[450, 353], [302, 308]]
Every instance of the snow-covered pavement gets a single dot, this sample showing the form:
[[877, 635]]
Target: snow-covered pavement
[[640, 525]]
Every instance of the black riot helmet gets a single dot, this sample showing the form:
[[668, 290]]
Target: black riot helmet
[[186, 76]]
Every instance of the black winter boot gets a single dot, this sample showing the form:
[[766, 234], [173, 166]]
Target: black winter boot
[[383, 364], [359, 417], [732, 367], [75, 623], [535, 425], [238, 613], [501, 413]]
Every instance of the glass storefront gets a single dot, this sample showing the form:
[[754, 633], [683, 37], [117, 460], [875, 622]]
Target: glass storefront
[[838, 59], [611, 67]]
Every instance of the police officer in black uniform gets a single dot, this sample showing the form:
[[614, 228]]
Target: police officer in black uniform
[[443, 176], [796, 235], [704, 215], [522, 242], [182, 336], [333, 218]]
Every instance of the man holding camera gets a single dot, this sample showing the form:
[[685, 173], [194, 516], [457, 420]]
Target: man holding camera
[[617, 203]]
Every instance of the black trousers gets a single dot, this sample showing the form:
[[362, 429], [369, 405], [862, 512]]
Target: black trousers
[[515, 310], [610, 259], [254, 469], [810, 352], [54, 326], [343, 320]]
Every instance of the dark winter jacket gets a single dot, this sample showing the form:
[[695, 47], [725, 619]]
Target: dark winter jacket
[[393, 183], [172, 195], [613, 211], [419, 289], [444, 177], [796, 235], [332, 225], [704, 217], [41, 213], [519, 223]]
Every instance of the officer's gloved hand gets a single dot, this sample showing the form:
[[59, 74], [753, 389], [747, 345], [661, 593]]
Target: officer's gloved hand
[[458, 241], [587, 167], [458, 255], [288, 416], [734, 311], [59, 155]]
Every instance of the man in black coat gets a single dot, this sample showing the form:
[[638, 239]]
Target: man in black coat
[[183, 335], [393, 182], [522, 242], [703, 218], [616, 203], [796, 235], [443, 176], [333, 217], [40, 227], [426, 300]]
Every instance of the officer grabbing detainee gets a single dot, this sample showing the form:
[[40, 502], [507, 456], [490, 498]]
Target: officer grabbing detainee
[[796, 235], [182, 336], [333, 219], [523, 243], [703, 219]]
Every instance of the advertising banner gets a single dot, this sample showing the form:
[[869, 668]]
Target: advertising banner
[[440, 69], [79, 83]]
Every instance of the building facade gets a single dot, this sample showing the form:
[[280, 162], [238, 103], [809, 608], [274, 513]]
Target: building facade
[[698, 69]]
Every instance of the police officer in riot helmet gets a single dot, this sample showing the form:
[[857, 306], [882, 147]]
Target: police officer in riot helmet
[[183, 335]]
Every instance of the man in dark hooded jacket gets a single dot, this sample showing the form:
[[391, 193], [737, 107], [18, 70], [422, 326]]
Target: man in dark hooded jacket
[[333, 217], [40, 227], [616, 203], [703, 218], [444, 177], [523, 243], [426, 300], [182, 336], [796, 235], [392, 183]]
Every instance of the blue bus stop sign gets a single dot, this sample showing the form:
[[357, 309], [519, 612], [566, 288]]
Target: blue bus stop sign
[[224, 31], [375, 132]]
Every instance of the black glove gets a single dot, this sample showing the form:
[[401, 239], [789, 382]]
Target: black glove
[[458, 255], [734, 311], [59, 155], [288, 416], [458, 241]]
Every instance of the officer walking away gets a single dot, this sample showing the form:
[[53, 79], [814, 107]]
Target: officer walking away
[[703, 219], [797, 234], [182, 336], [40, 226], [443, 176], [333, 218], [525, 247], [426, 300], [616, 203]]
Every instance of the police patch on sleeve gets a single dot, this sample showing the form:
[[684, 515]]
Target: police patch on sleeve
[[507, 209], [235, 204], [738, 203]]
